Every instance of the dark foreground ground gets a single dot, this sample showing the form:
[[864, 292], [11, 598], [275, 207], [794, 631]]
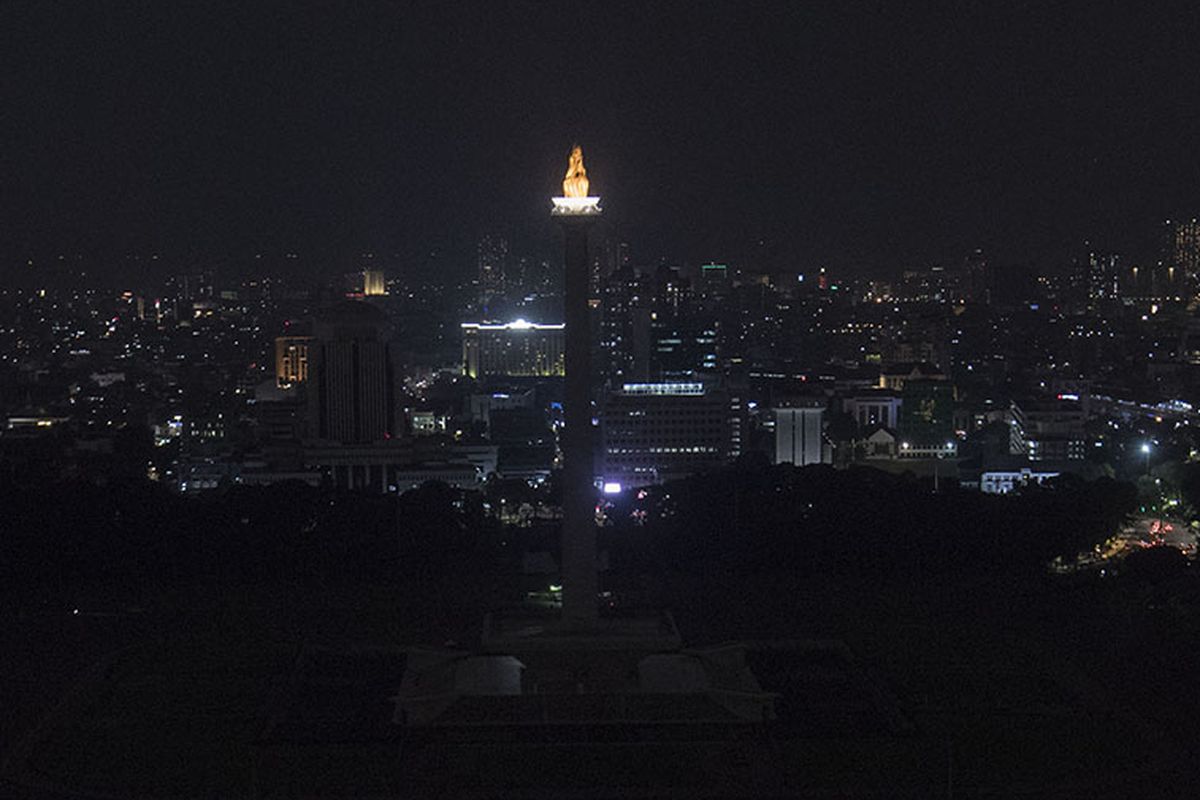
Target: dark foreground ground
[[1034, 686]]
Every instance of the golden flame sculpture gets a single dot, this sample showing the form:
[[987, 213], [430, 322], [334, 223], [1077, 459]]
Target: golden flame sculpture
[[575, 184]]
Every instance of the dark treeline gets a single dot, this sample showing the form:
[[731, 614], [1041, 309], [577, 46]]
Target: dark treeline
[[816, 519], [131, 539]]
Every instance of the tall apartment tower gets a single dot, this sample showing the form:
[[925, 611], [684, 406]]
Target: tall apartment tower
[[353, 401], [492, 258], [624, 327], [1180, 247], [291, 360]]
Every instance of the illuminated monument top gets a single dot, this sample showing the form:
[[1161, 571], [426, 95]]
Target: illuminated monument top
[[575, 200], [576, 182]]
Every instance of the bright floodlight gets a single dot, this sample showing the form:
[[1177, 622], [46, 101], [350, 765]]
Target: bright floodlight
[[1146, 448], [612, 487], [575, 206]]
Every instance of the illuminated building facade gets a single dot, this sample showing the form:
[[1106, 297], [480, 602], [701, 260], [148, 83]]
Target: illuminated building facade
[[291, 360], [655, 432], [515, 349], [374, 284], [1181, 247], [800, 433]]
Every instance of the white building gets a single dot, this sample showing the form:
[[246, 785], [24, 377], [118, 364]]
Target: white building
[[799, 434], [880, 407], [1003, 481]]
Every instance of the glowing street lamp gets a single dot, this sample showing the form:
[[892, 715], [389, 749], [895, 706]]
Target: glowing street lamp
[[1146, 453]]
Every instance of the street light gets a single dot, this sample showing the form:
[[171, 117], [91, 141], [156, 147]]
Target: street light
[[1146, 452]]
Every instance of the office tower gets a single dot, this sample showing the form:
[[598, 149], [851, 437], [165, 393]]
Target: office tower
[[976, 286], [624, 256], [1103, 277], [624, 328], [685, 344], [800, 433], [492, 259], [353, 402], [190, 286], [655, 432], [291, 360], [515, 349], [373, 283], [599, 270], [672, 294], [714, 281], [1180, 248]]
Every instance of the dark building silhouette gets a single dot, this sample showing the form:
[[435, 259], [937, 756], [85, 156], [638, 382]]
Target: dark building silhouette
[[353, 402]]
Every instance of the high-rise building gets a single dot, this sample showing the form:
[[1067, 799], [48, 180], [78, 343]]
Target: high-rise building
[[624, 256], [624, 343], [373, 283], [291, 360], [514, 349], [976, 283], [656, 432], [1095, 277], [1104, 276], [190, 286], [685, 344], [492, 260], [800, 433], [353, 401], [1180, 247], [714, 281]]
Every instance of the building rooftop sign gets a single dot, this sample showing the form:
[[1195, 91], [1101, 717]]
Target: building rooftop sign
[[664, 388]]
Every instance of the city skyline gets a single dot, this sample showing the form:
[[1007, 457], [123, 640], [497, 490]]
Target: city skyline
[[834, 432]]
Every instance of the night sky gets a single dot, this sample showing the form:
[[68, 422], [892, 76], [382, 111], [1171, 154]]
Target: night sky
[[784, 135]]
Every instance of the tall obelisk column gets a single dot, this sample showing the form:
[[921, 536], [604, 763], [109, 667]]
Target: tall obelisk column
[[576, 211]]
